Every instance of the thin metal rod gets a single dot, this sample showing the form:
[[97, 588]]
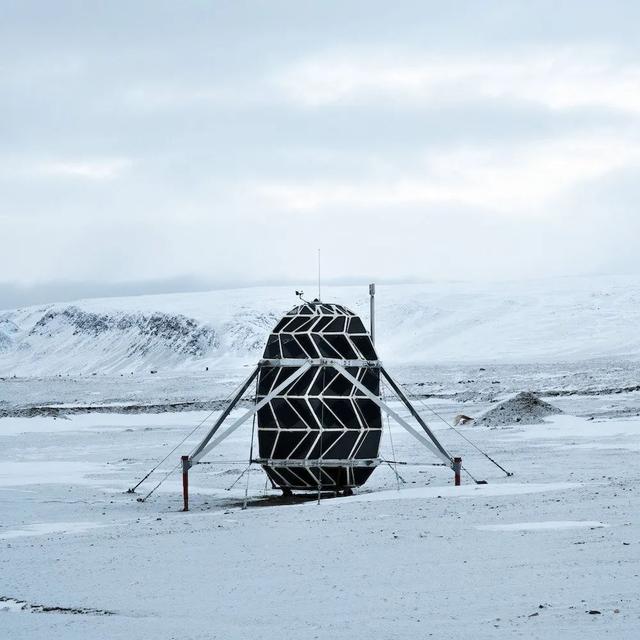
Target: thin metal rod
[[205, 448], [144, 499], [473, 444], [407, 403], [225, 413], [246, 488], [438, 451], [372, 311], [398, 476], [235, 482], [319, 298], [185, 482], [133, 489], [393, 450]]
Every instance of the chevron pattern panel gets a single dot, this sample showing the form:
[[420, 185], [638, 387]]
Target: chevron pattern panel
[[321, 415]]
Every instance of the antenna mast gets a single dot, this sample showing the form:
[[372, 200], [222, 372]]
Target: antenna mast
[[372, 310], [319, 298]]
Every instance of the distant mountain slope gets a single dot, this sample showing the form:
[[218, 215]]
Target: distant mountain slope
[[560, 320]]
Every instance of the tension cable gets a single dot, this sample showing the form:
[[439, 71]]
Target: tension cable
[[476, 447], [133, 489]]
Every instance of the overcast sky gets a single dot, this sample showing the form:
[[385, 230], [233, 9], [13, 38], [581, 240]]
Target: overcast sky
[[151, 146]]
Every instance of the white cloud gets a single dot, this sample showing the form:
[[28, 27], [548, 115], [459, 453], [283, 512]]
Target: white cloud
[[558, 79], [200, 150], [511, 181], [105, 169], [175, 96]]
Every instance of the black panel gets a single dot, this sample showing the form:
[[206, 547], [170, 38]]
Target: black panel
[[344, 409], [327, 440], [309, 447], [296, 323], [356, 326], [370, 378], [370, 413], [307, 344], [282, 373], [266, 419], [318, 409], [307, 324], [300, 477], [301, 385], [290, 477], [321, 324], [336, 325], [329, 418], [290, 348], [342, 346], [361, 475], [286, 443], [281, 324], [318, 330], [341, 449], [287, 417], [301, 407], [265, 379], [364, 346], [370, 445], [265, 442], [339, 385], [272, 350], [325, 348], [319, 382]]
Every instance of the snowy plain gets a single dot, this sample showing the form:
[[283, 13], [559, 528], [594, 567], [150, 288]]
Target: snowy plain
[[427, 559], [527, 556]]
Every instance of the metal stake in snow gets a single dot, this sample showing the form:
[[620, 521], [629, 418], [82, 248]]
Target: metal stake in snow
[[185, 482], [457, 468]]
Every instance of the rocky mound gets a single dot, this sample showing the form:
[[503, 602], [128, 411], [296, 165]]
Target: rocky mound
[[525, 408]]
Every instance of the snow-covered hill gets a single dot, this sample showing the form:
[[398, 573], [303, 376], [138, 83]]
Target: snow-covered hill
[[542, 321]]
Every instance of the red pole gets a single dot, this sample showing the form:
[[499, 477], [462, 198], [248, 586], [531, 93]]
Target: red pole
[[185, 482], [457, 467]]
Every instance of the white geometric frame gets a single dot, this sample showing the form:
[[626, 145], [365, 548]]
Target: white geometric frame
[[431, 442]]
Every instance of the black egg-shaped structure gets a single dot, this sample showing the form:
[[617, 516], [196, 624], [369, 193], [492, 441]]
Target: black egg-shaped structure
[[321, 432]]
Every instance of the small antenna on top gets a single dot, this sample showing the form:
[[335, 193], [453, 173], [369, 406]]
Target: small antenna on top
[[319, 298]]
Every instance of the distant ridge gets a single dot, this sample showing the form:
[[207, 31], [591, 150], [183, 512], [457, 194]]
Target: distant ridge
[[564, 320]]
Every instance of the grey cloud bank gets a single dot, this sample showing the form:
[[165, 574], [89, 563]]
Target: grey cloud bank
[[189, 144]]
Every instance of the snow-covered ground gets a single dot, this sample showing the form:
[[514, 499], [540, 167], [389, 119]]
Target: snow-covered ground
[[526, 556], [561, 320]]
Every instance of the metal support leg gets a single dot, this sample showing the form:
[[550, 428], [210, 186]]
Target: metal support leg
[[431, 442], [457, 468], [185, 482], [205, 446], [223, 416], [407, 403]]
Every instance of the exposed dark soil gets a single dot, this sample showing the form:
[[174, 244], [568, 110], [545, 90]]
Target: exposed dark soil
[[29, 607]]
